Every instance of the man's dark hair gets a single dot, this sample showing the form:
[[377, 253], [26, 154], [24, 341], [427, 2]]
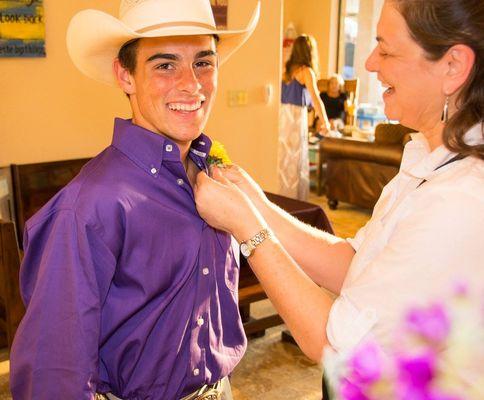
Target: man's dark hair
[[127, 55]]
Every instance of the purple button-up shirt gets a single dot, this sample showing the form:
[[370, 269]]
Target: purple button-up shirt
[[127, 289]]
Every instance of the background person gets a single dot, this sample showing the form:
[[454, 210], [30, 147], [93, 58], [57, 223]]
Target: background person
[[426, 229], [129, 293], [334, 100], [299, 90]]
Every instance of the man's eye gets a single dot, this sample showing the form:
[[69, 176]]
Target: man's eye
[[202, 64], [164, 66]]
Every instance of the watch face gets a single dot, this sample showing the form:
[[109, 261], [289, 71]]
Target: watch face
[[245, 250]]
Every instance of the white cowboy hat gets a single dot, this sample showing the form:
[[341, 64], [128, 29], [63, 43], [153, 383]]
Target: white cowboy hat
[[94, 38]]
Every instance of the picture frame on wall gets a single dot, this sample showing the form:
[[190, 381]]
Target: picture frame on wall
[[219, 8], [22, 28]]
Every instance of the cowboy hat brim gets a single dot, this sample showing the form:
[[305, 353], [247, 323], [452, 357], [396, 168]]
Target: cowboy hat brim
[[94, 39]]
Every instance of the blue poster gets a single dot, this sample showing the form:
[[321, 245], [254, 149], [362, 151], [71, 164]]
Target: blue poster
[[22, 29]]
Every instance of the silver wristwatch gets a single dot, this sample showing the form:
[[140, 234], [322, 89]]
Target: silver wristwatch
[[248, 247]]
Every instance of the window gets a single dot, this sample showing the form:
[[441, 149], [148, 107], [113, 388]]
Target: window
[[358, 21], [349, 18]]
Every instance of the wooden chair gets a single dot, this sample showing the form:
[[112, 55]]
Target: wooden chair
[[351, 88], [35, 184], [11, 306]]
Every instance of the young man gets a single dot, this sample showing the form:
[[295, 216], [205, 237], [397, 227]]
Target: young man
[[129, 293]]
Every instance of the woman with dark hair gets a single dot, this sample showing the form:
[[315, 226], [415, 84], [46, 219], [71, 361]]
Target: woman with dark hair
[[426, 229], [299, 90]]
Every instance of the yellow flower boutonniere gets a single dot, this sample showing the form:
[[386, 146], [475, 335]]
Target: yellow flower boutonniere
[[218, 155]]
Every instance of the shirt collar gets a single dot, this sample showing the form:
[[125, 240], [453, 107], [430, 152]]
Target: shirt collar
[[149, 150], [200, 149], [420, 162]]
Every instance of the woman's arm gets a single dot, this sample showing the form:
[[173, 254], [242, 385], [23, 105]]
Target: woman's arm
[[302, 304], [324, 257], [309, 79]]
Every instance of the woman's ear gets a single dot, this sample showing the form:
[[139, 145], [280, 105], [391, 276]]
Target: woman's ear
[[124, 78], [459, 61]]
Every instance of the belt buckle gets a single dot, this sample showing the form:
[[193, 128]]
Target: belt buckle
[[211, 394]]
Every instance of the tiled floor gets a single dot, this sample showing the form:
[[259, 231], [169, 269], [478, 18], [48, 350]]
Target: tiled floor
[[271, 369]]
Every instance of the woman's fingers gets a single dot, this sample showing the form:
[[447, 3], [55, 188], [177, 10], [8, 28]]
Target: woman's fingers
[[201, 178], [231, 172], [218, 174]]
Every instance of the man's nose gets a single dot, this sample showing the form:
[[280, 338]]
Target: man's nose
[[188, 81]]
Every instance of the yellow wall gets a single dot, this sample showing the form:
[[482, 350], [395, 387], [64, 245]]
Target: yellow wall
[[250, 132], [318, 18], [50, 111]]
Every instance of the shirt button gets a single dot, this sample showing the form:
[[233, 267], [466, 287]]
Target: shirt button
[[205, 271], [153, 171], [200, 321], [169, 148], [196, 372], [180, 182]]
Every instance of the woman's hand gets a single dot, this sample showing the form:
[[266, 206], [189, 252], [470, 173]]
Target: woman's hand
[[224, 206], [242, 180], [324, 130]]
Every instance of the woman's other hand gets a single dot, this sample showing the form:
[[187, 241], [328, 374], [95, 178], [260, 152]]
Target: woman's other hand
[[224, 206]]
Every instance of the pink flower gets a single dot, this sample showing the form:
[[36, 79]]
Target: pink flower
[[431, 323], [364, 368], [417, 367], [461, 289], [351, 391], [416, 371], [366, 364]]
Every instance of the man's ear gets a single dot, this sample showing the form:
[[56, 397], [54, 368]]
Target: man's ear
[[124, 78], [459, 61]]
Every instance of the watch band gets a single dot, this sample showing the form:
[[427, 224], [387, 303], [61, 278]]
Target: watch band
[[247, 247]]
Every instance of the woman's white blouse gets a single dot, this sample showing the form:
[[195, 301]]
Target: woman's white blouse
[[419, 243]]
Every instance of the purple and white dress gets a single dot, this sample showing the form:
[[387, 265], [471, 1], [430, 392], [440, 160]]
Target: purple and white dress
[[293, 158]]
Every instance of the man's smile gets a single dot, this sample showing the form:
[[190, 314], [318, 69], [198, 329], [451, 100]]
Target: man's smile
[[186, 106]]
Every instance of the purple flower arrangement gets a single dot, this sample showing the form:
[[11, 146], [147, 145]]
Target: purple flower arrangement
[[438, 354]]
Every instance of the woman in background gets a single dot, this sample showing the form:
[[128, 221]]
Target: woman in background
[[334, 101], [299, 90]]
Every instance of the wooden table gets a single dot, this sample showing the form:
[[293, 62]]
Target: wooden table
[[249, 287]]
